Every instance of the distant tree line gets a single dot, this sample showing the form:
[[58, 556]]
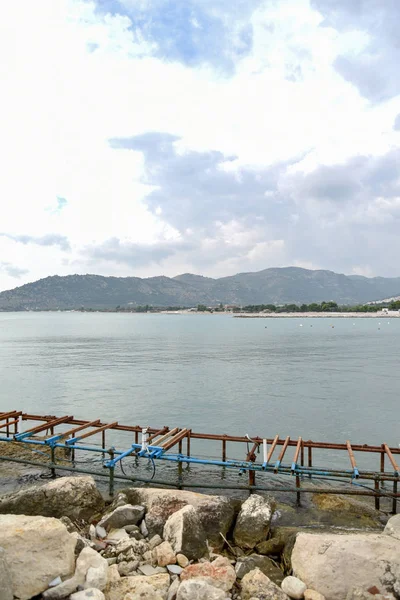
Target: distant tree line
[[326, 306], [313, 307]]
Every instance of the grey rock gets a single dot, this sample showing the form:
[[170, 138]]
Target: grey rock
[[6, 592], [184, 532], [174, 569], [156, 540], [196, 589], [101, 532], [73, 497], [127, 568], [143, 529], [253, 522], [122, 516], [88, 594], [111, 561], [147, 570], [246, 564]]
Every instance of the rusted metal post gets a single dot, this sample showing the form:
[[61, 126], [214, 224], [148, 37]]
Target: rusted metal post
[[302, 454], [111, 482], [223, 450], [383, 464], [310, 458], [7, 428], [16, 426], [136, 437], [103, 440], [394, 501], [377, 497], [180, 447], [252, 477], [188, 443]]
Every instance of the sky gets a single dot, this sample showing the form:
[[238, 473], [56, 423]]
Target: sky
[[149, 137]]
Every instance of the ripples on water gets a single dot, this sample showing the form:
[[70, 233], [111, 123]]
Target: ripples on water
[[211, 373]]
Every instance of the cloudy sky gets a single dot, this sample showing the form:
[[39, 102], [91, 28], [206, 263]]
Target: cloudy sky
[[145, 137]]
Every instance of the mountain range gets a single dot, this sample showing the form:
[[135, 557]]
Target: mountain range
[[270, 286]]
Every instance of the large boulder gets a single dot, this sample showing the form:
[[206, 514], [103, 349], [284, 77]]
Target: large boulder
[[257, 585], [117, 590], [267, 566], [393, 527], [216, 513], [73, 497], [334, 564], [253, 522], [184, 532], [218, 573], [91, 571], [6, 592], [38, 550]]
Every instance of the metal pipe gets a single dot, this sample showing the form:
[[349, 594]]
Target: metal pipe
[[199, 485]]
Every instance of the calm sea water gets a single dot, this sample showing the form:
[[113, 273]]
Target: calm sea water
[[323, 379]]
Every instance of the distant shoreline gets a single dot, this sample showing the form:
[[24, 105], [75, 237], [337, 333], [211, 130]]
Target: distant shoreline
[[316, 315]]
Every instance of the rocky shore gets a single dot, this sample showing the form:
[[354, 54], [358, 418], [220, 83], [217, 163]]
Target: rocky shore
[[62, 540]]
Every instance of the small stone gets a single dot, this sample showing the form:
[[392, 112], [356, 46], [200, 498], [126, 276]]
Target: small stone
[[55, 582], [164, 554], [92, 532], [313, 595], [130, 528], [219, 573], [117, 535], [127, 568], [111, 561], [156, 540], [143, 529], [256, 584], [174, 569], [182, 560], [101, 532], [199, 590], [88, 594], [293, 587], [147, 570]]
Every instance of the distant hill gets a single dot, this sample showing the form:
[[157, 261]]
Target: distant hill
[[275, 286]]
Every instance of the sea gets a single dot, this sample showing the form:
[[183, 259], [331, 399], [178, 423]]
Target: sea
[[323, 379]]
